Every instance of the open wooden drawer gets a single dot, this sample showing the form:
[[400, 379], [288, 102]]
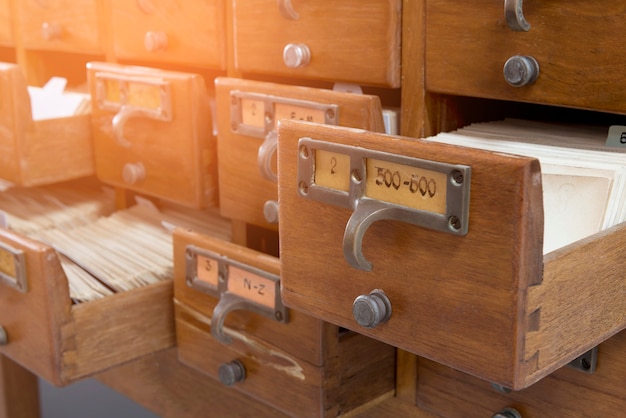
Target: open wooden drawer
[[437, 249], [27, 143], [231, 324], [62, 342]]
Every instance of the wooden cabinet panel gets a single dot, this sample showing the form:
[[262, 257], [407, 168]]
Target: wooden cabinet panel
[[152, 132], [62, 342], [167, 31], [575, 43], [6, 25], [355, 41], [486, 302], [59, 25], [303, 367]]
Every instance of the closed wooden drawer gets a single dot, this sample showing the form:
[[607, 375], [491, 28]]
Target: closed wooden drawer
[[291, 361], [60, 25], [62, 342], [27, 144], [355, 41], [580, 59], [567, 392], [248, 113], [152, 132], [191, 32], [6, 27], [402, 268]]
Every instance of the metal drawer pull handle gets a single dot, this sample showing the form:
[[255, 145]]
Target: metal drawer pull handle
[[266, 153], [514, 14], [287, 10], [228, 303], [120, 119]]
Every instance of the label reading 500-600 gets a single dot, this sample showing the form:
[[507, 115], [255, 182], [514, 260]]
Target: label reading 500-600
[[414, 187]]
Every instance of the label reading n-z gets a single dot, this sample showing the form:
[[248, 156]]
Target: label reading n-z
[[413, 187], [252, 287]]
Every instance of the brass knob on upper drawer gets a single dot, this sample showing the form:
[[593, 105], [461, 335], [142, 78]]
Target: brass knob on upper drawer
[[507, 413], [296, 55], [372, 310], [521, 70], [155, 41], [231, 373]]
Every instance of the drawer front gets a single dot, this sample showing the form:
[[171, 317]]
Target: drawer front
[[247, 141], [355, 41], [60, 25], [151, 132], [6, 26], [580, 59], [414, 282], [189, 32], [568, 392], [299, 366]]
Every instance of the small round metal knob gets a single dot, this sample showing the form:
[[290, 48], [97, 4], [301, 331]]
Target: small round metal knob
[[270, 211], [155, 41], [296, 55], [507, 413], [521, 70], [231, 373], [372, 310], [133, 173], [4, 339], [50, 31]]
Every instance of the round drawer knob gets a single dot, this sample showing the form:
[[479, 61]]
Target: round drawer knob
[[372, 310], [231, 373], [507, 413], [270, 211], [50, 31], [296, 55], [155, 41], [133, 173], [521, 70], [4, 339]]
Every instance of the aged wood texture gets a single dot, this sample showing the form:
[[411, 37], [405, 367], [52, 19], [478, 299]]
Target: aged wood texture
[[565, 393], [27, 144], [169, 154], [62, 342], [19, 391], [466, 53], [359, 43], [59, 25], [243, 190], [457, 300], [191, 32], [305, 367]]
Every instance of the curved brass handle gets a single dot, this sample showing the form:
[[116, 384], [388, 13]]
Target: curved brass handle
[[228, 303], [120, 119], [266, 153], [366, 213], [514, 14], [287, 11]]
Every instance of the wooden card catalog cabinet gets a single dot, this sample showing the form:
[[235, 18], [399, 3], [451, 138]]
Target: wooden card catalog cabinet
[[152, 132], [184, 32], [59, 25], [529, 51], [39, 151], [232, 325], [354, 41], [248, 115], [62, 342], [6, 26], [437, 250]]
